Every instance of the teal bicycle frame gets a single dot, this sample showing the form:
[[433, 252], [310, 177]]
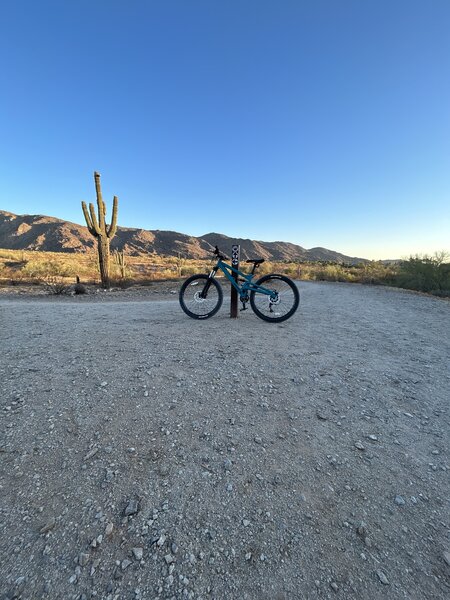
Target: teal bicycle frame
[[244, 289]]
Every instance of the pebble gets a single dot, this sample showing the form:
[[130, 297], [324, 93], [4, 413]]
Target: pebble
[[125, 563], [248, 556], [382, 577], [399, 500], [373, 438], [109, 529], [334, 586], [48, 526], [168, 558], [359, 445], [245, 522], [227, 464], [446, 557], [131, 508], [91, 453], [257, 439], [97, 541], [83, 559], [138, 553], [161, 540]]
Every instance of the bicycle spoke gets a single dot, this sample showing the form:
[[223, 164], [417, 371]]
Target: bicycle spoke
[[281, 305]]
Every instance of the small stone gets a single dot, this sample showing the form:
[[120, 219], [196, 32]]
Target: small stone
[[321, 416], [104, 384], [245, 522], [399, 500], [248, 556], [91, 453], [131, 508], [83, 559], [257, 439], [168, 558], [227, 464], [334, 586], [229, 487], [174, 547], [109, 529], [125, 563], [160, 541], [373, 438], [138, 553], [19, 581], [382, 577], [446, 557], [73, 579], [48, 526], [359, 445]]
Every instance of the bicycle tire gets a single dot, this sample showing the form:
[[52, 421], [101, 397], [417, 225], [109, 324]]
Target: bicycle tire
[[271, 312], [195, 303]]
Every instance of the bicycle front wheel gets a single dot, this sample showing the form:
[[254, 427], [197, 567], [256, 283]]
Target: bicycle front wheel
[[281, 304], [197, 304]]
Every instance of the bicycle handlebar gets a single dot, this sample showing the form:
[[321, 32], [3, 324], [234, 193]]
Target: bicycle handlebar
[[219, 254]]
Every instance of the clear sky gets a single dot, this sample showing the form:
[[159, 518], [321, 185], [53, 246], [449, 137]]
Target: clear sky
[[319, 122]]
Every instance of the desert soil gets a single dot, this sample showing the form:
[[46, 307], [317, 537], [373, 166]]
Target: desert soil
[[146, 455]]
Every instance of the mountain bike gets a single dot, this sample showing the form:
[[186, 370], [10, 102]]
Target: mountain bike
[[273, 298]]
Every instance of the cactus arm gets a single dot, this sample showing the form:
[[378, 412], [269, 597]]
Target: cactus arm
[[88, 219], [101, 205], [94, 220], [113, 227]]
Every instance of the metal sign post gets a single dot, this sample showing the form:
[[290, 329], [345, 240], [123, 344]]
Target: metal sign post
[[235, 254]]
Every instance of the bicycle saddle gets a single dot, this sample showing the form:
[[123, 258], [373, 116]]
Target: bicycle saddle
[[256, 261]]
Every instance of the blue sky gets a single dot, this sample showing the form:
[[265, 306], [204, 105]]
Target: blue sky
[[323, 123]]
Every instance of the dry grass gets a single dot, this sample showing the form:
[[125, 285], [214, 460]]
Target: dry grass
[[35, 267]]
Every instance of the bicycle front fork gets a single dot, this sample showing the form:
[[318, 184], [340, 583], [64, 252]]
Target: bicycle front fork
[[205, 290]]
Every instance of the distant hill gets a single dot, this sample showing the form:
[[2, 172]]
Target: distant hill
[[39, 232]]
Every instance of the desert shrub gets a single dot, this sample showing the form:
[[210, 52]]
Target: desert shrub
[[122, 282], [55, 285], [426, 274], [79, 288]]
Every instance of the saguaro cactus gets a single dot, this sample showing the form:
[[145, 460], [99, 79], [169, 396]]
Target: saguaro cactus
[[100, 230], [119, 258]]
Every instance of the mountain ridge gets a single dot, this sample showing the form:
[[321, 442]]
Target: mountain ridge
[[51, 234]]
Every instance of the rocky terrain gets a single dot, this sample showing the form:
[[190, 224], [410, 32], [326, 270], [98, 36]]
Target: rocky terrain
[[38, 232], [145, 455]]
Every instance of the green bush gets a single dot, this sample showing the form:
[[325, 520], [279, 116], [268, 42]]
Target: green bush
[[425, 274]]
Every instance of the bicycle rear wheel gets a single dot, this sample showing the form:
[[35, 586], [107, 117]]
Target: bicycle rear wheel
[[192, 302], [281, 305]]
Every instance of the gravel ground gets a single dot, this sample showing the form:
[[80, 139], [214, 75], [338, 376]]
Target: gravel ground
[[148, 455]]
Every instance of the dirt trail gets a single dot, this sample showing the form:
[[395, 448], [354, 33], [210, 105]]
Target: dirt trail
[[302, 460]]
